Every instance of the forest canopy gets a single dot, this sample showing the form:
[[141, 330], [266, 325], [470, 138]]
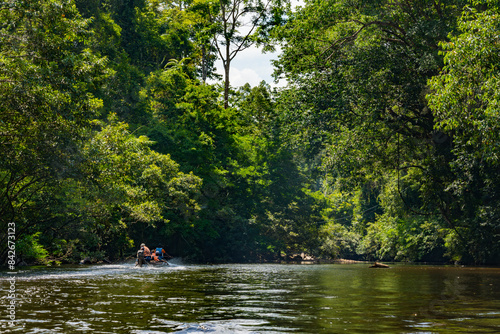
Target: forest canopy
[[383, 145]]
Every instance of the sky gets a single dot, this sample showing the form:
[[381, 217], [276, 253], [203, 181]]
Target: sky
[[251, 66]]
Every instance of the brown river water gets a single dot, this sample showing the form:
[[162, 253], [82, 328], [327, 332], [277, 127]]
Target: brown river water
[[250, 298]]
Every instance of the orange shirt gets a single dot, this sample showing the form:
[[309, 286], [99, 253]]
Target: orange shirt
[[147, 252]]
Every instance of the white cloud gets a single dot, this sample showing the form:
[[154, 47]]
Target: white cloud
[[239, 77]]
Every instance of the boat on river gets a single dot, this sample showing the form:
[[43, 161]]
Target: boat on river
[[153, 263], [157, 263], [155, 258]]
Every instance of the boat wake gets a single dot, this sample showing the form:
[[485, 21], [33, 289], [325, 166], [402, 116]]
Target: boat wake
[[89, 271]]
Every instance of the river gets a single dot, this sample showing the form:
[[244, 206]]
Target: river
[[252, 298]]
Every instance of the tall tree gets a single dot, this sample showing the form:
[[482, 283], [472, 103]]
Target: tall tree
[[465, 102], [235, 26], [191, 125], [128, 188], [137, 37], [359, 74], [47, 80]]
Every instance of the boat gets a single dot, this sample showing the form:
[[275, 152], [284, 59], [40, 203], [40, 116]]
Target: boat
[[157, 263], [153, 263]]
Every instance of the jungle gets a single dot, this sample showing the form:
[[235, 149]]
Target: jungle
[[116, 129]]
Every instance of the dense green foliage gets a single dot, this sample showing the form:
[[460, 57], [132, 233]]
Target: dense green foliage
[[387, 112], [384, 145]]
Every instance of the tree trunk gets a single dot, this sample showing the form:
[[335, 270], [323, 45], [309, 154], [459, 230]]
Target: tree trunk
[[204, 63], [226, 85]]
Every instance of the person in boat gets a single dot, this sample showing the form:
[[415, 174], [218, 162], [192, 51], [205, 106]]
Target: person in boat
[[140, 257], [157, 257], [147, 253], [162, 253]]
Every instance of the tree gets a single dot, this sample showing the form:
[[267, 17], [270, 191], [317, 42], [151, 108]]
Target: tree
[[47, 80], [358, 73], [137, 37], [464, 100], [234, 26], [190, 124], [129, 187], [283, 212]]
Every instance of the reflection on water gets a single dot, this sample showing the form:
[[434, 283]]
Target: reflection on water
[[255, 299]]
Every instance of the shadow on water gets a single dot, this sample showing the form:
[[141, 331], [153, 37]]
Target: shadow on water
[[254, 299]]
